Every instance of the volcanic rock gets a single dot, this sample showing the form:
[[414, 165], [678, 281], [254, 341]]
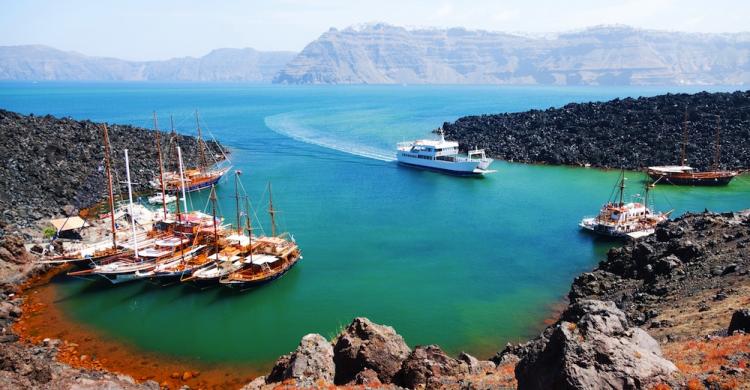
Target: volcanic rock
[[594, 347], [740, 321], [54, 166], [426, 364], [364, 345], [310, 363], [592, 134]]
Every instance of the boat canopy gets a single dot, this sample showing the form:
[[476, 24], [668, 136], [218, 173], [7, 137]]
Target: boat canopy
[[70, 223], [240, 239], [262, 259]]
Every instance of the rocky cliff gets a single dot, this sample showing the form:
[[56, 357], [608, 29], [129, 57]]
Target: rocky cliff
[[51, 166], [36, 63], [604, 55], [629, 133]]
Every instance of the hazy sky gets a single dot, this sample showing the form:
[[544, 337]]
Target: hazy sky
[[153, 29]]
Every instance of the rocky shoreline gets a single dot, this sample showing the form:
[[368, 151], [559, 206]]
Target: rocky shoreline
[[621, 133], [52, 166]]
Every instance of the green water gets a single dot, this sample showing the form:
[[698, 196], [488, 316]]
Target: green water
[[465, 263]]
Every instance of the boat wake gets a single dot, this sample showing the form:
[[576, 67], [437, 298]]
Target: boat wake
[[285, 124]]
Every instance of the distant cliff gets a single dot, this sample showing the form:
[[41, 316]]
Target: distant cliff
[[629, 133], [37, 63], [606, 55]]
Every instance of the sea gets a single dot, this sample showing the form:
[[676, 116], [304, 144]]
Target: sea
[[466, 263]]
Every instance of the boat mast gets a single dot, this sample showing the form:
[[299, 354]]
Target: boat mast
[[237, 200], [717, 153], [161, 167], [683, 149], [201, 151], [249, 228], [182, 178], [212, 197], [271, 211], [130, 205], [622, 187], [105, 135]]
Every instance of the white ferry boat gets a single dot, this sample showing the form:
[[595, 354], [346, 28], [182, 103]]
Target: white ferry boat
[[443, 156]]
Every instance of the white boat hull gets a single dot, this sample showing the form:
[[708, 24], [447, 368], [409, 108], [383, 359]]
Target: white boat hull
[[452, 167]]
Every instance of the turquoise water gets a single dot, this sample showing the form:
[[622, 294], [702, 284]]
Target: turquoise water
[[465, 263]]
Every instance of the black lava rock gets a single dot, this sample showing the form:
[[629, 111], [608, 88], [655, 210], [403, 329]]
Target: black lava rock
[[54, 166], [629, 133], [740, 321]]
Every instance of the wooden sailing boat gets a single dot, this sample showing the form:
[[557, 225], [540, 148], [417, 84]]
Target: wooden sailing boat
[[684, 174], [272, 257], [229, 254], [197, 178]]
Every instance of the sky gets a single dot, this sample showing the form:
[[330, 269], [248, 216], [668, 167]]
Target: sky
[[154, 29]]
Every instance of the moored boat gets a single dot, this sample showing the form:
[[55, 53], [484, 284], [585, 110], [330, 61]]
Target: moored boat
[[618, 219], [684, 174], [274, 257], [202, 176], [443, 156]]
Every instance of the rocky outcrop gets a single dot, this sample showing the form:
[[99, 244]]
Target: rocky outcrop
[[373, 355], [594, 347], [427, 365], [53, 166], [695, 258], [311, 364], [365, 345], [740, 321], [594, 133]]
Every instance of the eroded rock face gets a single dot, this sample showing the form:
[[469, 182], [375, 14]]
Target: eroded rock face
[[365, 345], [310, 364], [593, 347], [740, 321], [426, 365]]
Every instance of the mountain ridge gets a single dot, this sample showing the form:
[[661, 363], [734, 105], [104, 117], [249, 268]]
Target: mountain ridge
[[379, 53], [45, 63]]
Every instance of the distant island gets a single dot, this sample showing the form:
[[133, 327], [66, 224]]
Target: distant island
[[384, 54], [43, 63]]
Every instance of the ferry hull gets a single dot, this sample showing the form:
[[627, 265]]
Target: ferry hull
[[474, 172], [692, 180]]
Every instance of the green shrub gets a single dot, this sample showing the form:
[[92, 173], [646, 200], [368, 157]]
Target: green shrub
[[49, 232]]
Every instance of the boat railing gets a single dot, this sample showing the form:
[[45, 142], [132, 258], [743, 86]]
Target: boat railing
[[476, 152]]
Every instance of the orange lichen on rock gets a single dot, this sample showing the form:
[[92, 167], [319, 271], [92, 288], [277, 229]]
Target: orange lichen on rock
[[718, 362]]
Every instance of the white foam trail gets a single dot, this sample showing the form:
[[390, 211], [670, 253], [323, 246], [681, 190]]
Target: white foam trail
[[284, 124]]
